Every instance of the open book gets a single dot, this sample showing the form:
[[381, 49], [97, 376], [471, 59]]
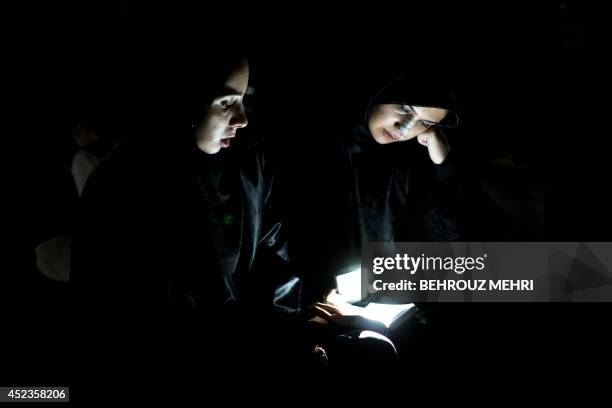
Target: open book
[[349, 292]]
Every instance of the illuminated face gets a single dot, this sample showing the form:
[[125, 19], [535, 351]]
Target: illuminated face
[[226, 113], [390, 123]]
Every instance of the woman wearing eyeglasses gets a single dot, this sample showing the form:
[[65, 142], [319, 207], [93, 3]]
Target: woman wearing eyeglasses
[[402, 178]]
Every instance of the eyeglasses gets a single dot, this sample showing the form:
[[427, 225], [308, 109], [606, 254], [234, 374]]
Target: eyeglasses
[[450, 120]]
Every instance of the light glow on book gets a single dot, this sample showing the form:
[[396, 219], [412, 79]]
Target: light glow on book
[[349, 291]]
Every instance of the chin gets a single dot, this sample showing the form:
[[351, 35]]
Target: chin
[[383, 141], [209, 149]]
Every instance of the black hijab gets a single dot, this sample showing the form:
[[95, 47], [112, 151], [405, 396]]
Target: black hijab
[[393, 182], [407, 90]]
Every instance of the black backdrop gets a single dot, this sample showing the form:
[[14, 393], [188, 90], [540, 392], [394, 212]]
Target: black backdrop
[[531, 78]]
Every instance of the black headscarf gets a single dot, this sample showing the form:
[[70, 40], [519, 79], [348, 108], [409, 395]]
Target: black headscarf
[[407, 90], [404, 90], [394, 182]]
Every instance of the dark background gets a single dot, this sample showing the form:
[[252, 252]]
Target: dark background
[[531, 78]]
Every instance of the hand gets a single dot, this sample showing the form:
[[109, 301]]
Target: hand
[[436, 143], [320, 313], [353, 322], [326, 315]]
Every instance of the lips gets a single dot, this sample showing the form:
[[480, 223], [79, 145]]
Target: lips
[[226, 141], [390, 136]]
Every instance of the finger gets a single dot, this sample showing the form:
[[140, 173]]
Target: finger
[[312, 311], [329, 308], [321, 312], [358, 322], [355, 322], [318, 321]]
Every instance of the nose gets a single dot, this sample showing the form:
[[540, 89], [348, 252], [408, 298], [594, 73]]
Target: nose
[[405, 126], [239, 120]]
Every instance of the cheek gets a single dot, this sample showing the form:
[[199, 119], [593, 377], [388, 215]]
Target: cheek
[[376, 121], [376, 129], [211, 126], [215, 125]]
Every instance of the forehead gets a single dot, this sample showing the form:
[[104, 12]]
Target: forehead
[[238, 80]]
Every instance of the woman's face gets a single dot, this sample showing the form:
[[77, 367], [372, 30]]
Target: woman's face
[[390, 123], [226, 113]]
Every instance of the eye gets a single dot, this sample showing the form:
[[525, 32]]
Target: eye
[[226, 103]]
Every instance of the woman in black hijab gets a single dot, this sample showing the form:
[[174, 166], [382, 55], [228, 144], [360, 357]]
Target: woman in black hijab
[[398, 180], [401, 182], [180, 218], [404, 177]]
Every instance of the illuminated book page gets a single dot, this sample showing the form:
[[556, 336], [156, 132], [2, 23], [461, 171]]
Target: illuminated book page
[[349, 291]]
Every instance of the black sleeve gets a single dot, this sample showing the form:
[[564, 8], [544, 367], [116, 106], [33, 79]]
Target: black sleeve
[[274, 220], [446, 204], [272, 261], [459, 209]]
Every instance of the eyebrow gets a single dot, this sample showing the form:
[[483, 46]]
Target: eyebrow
[[431, 122], [228, 91]]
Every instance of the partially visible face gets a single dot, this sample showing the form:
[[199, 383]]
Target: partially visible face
[[226, 113], [391, 123]]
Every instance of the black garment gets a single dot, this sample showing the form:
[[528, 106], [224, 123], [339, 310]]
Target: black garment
[[174, 231], [395, 193], [398, 194], [209, 216]]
